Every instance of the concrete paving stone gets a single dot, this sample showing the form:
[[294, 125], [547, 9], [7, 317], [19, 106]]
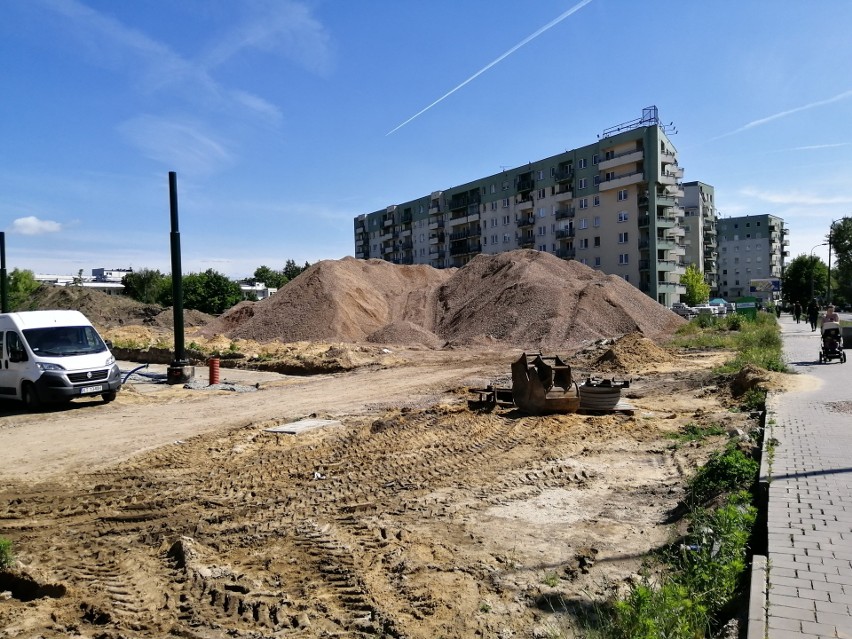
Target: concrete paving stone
[[840, 597], [830, 606], [821, 629], [782, 623], [786, 612], [790, 602], [833, 618]]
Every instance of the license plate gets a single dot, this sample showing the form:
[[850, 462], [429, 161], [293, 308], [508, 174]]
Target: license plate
[[91, 389]]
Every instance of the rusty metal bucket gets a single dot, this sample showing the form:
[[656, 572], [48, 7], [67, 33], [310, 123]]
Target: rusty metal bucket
[[543, 385]]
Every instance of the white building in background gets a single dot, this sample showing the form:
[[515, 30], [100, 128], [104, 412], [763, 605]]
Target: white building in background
[[258, 290]]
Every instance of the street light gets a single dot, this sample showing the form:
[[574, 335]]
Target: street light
[[830, 231], [812, 266]]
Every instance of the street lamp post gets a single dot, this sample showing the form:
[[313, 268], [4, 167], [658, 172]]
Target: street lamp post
[[830, 231], [813, 267]]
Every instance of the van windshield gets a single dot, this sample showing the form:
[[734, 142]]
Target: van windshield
[[64, 341]]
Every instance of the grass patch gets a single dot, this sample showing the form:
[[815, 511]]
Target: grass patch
[[728, 470], [6, 556], [756, 342], [693, 432], [695, 581]]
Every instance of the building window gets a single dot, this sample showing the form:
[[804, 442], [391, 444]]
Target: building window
[[581, 163], [484, 241], [584, 202], [583, 183], [622, 216], [596, 201], [505, 203], [584, 261], [542, 211], [506, 238], [506, 220], [597, 262], [494, 239], [597, 221], [542, 230], [597, 180], [622, 238], [597, 242], [584, 223], [494, 205], [583, 243], [595, 158], [541, 192], [609, 155], [622, 195], [623, 258], [542, 248], [610, 175], [540, 175], [493, 188]]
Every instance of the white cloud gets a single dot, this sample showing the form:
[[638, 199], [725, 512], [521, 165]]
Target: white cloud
[[795, 197], [31, 225], [179, 144]]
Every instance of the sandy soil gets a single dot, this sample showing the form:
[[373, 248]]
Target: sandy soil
[[174, 512]]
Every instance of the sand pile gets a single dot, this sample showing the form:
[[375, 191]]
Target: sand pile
[[109, 311], [526, 299], [633, 353], [343, 300]]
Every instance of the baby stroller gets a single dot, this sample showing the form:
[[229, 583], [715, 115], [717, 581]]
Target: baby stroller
[[832, 343]]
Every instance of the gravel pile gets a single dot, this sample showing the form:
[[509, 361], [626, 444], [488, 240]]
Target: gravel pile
[[527, 299]]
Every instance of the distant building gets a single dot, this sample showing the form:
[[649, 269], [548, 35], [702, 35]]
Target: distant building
[[752, 249], [613, 205], [256, 290], [110, 274], [699, 225]]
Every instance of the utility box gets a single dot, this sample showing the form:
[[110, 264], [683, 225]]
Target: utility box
[[747, 306]]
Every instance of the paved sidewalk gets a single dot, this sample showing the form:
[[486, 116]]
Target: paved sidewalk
[[809, 468]]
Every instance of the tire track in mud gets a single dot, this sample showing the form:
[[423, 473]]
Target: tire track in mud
[[311, 532]]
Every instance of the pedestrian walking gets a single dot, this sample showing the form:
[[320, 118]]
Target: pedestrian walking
[[797, 311], [813, 313]]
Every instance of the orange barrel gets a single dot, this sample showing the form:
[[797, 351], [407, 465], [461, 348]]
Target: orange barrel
[[213, 364]]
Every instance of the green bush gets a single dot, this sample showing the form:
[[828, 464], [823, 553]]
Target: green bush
[[6, 557], [693, 432], [650, 613], [725, 471]]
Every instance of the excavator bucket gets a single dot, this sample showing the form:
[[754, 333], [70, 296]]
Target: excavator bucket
[[543, 385]]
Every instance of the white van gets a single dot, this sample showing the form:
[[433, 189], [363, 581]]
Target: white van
[[54, 356]]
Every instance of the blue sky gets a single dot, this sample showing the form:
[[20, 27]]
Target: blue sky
[[284, 120]]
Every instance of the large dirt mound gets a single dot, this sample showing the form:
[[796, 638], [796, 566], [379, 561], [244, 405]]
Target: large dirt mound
[[339, 300], [633, 353], [527, 299], [109, 311]]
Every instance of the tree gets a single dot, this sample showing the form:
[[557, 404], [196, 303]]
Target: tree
[[292, 271], [697, 290], [210, 292], [273, 279], [841, 244], [144, 285], [21, 285], [805, 277]]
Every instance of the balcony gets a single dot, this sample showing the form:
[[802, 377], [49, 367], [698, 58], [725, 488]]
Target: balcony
[[627, 157], [675, 231], [620, 181], [643, 221], [671, 287], [564, 174], [564, 213], [525, 185], [459, 202], [527, 241], [386, 235], [387, 250], [437, 238], [564, 234], [566, 253], [523, 202], [436, 224], [563, 192], [668, 265], [526, 220], [667, 157]]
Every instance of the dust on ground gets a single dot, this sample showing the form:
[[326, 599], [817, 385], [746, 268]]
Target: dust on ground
[[174, 511]]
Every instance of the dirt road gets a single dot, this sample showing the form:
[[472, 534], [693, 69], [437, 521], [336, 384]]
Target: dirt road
[[173, 511]]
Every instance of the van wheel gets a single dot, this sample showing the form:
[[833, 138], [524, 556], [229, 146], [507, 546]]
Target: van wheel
[[108, 397], [30, 396]]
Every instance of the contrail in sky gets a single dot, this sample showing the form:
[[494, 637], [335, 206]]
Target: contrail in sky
[[784, 114], [526, 40]]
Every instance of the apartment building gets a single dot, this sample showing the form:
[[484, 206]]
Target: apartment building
[[612, 205], [699, 226], [752, 249]]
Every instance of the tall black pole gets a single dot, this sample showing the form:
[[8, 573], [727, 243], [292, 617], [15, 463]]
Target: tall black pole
[[4, 292], [180, 371], [828, 296]]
